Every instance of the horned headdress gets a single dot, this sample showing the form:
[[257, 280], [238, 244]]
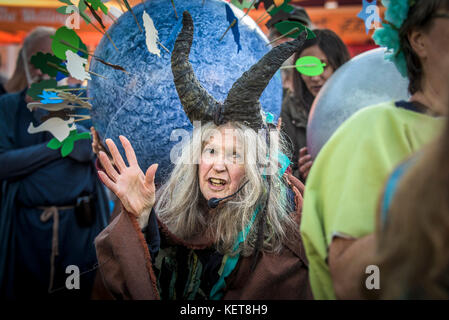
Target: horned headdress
[[242, 103]]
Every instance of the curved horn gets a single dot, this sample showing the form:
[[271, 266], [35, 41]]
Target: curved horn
[[242, 103], [197, 102]]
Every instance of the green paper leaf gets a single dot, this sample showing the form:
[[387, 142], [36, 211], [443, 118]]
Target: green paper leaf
[[54, 144], [63, 10], [284, 7], [40, 61], [284, 27], [244, 5], [98, 4], [67, 146], [37, 88], [310, 34], [82, 6], [67, 35], [104, 9], [310, 66], [83, 135]]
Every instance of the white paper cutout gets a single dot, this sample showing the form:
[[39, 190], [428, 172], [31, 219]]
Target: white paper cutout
[[76, 66], [59, 128], [151, 34], [50, 107]]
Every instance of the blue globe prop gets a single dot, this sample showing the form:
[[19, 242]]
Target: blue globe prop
[[143, 105], [364, 81]]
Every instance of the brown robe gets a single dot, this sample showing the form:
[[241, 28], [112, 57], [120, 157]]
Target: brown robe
[[126, 267]]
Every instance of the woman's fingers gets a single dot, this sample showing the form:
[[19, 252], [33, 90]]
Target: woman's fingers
[[118, 160], [298, 198], [304, 159], [106, 163], [305, 169], [107, 182], [129, 151], [296, 183], [149, 175]]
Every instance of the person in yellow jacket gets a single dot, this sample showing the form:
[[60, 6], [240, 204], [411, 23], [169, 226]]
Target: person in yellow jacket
[[347, 178]]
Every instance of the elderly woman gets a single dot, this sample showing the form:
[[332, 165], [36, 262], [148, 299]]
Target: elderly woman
[[348, 175], [220, 227]]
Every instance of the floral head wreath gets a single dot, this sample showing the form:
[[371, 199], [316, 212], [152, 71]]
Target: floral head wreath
[[388, 36]]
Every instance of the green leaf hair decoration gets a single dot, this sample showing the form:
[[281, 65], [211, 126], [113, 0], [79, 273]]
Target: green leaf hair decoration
[[310, 66], [388, 36]]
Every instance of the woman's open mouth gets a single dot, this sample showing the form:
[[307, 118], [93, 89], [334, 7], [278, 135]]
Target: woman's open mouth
[[217, 184]]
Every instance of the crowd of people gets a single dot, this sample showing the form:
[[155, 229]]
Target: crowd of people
[[246, 213]]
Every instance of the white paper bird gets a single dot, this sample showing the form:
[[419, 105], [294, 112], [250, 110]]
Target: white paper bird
[[76, 66], [151, 34], [59, 128]]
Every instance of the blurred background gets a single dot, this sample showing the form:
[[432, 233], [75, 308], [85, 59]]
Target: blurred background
[[18, 17]]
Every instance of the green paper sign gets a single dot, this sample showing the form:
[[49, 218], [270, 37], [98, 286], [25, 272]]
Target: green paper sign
[[97, 4], [36, 88], [284, 27], [40, 61], [284, 7], [68, 144], [310, 66], [67, 35], [245, 4]]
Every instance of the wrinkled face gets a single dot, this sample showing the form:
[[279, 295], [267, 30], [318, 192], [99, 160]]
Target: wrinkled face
[[315, 83], [436, 42], [221, 167]]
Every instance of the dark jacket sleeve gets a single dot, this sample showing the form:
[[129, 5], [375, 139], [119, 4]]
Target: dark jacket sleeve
[[19, 162], [283, 275], [14, 161]]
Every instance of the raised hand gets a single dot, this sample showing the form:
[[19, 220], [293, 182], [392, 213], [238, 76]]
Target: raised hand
[[135, 189]]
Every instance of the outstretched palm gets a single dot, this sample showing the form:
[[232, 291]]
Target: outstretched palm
[[134, 188]]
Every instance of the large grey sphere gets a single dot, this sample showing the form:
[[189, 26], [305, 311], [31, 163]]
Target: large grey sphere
[[365, 80], [143, 105]]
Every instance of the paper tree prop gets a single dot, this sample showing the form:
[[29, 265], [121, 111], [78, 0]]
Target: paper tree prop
[[46, 62], [76, 66], [58, 127], [67, 144]]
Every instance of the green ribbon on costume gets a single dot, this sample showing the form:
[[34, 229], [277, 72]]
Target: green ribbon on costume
[[229, 262]]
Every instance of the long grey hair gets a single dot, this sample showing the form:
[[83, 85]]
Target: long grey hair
[[182, 207]]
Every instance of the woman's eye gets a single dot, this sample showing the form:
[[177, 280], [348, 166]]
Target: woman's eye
[[209, 151]]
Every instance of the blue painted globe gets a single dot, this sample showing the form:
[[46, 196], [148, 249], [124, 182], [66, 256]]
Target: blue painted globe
[[143, 105]]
